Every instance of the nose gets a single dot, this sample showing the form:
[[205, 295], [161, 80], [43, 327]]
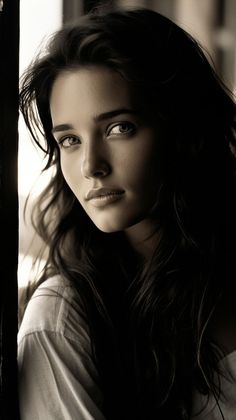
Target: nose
[[94, 163]]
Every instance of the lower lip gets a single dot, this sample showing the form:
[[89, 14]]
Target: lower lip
[[104, 200]]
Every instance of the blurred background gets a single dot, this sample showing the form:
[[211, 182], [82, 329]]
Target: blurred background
[[211, 22]]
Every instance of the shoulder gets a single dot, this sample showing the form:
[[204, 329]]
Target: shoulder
[[55, 307], [55, 357], [209, 409]]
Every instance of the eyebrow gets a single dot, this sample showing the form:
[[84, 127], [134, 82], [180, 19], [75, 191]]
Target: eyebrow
[[98, 118]]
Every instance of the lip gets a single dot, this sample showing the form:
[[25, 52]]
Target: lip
[[103, 196]]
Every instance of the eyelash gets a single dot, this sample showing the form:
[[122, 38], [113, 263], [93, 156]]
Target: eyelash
[[63, 139], [125, 123], [130, 130]]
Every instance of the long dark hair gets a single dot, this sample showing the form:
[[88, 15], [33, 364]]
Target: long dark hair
[[149, 320]]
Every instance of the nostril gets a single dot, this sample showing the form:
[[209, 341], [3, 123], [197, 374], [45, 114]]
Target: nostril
[[100, 172], [92, 169]]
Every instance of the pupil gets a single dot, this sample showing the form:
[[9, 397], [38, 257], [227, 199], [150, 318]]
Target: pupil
[[123, 127]]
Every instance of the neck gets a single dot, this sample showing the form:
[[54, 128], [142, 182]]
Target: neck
[[143, 238]]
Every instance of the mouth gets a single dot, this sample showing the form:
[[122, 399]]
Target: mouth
[[103, 196]]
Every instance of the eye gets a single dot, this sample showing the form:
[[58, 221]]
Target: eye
[[69, 141], [121, 129]]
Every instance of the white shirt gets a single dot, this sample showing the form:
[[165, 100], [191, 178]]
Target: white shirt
[[227, 400], [57, 376]]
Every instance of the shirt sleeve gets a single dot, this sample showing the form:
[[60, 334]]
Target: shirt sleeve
[[57, 379], [204, 409]]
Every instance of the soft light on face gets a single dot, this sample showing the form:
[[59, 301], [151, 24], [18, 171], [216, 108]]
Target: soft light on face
[[109, 152]]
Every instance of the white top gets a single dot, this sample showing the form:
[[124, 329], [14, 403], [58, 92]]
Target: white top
[[57, 376], [227, 401]]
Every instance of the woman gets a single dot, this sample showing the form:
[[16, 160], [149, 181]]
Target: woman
[[133, 317]]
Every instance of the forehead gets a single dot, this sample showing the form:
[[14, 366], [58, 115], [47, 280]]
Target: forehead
[[89, 90]]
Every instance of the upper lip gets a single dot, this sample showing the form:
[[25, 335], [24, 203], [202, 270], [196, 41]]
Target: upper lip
[[98, 192]]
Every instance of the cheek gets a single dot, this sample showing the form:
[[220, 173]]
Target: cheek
[[71, 173], [140, 167]]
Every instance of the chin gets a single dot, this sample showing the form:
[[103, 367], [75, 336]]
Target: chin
[[116, 225], [108, 228], [110, 225]]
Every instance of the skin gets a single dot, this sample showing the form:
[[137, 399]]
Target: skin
[[119, 151]]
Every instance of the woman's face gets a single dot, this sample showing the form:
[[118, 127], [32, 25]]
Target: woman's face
[[108, 148]]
